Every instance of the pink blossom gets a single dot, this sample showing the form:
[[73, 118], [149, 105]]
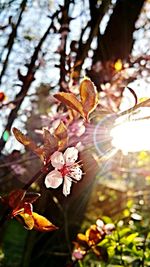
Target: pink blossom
[[78, 254], [66, 170], [76, 129], [104, 228]]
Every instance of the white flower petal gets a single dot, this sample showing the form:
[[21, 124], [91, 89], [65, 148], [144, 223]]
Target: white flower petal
[[53, 179], [70, 155], [100, 223], [57, 160], [76, 173], [66, 185]]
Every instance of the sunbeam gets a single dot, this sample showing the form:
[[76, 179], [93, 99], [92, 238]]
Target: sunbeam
[[131, 132]]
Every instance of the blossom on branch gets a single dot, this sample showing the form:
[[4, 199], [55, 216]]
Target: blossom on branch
[[66, 170]]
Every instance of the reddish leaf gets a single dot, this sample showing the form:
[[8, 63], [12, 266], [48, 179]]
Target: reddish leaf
[[82, 241], [15, 197], [88, 94], [93, 235], [31, 197], [22, 209], [73, 114], [82, 238], [28, 208], [36, 221], [50, 144], [42, 224], [71, 101], [27, 220], [61, 134], [17, 211], [26, 141], [61, 131]]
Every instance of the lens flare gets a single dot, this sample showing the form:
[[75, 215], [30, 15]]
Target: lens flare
[[101, 135], [131, 133]]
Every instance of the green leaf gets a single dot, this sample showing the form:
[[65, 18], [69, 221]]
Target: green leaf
[[129, 239], [111, 251], [80, 264], [129, 204], [107, 219], [124, 231], [13, 244], [104, 242], [126, 213], [137, 252]]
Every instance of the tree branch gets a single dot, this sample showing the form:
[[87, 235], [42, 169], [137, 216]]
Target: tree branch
[[95, 21], [12, 37], [117, 40], [64, 33], [27, 80]]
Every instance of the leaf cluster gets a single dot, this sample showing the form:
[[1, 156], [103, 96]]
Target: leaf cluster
[[19, 204]]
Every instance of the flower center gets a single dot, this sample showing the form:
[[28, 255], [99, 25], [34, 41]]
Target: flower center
[[64, 170]]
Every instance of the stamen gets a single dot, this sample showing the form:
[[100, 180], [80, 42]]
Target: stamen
[[73, 180], [64, 170]]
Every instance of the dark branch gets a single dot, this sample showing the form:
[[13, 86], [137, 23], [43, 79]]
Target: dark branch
[[94, 24], [11, 39], [117, 41], [27, 80], [64, 33]]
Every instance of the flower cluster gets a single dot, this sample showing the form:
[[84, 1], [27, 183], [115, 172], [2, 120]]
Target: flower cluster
[[90, 240], [66, 170]]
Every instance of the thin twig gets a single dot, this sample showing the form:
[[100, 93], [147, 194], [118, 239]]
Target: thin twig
[[128, 111], [15, 101]]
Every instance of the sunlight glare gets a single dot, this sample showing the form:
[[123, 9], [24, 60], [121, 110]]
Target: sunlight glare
[[132, 134]]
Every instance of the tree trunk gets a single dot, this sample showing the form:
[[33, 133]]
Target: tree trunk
[[117, 41]]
